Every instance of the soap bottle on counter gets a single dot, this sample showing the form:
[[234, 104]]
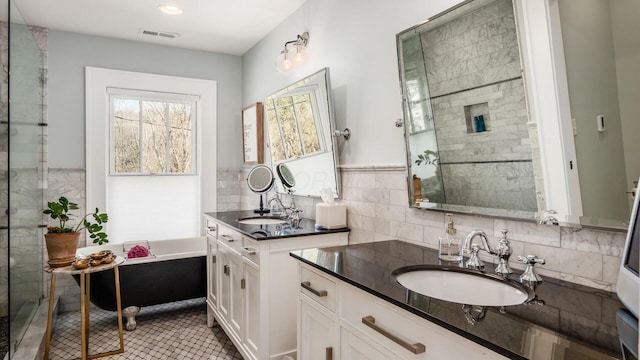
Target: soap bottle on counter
[[450, 247]]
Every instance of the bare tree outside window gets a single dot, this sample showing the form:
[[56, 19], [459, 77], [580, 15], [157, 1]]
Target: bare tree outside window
[[292, 127], [152, 137]]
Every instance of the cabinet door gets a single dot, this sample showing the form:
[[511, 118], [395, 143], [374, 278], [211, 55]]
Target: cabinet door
[[355, 347], [224, 281], [212, 280], [236, 293], [317, 333], [251, 302]]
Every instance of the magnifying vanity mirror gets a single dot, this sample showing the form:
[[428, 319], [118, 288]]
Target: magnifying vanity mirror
[[286, 176], [300, 122], [467, 139], [260, 180]]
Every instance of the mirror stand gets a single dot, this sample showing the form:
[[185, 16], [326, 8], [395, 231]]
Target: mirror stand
[[261, 210]]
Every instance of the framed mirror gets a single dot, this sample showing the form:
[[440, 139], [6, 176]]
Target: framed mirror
[[299, 121], [465, 114]]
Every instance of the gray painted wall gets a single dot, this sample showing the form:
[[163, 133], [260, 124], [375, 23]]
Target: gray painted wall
[[356, 39], [591, 72], [626, 27], [69, 53]]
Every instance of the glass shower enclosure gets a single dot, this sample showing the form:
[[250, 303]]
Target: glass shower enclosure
[[22, 169]]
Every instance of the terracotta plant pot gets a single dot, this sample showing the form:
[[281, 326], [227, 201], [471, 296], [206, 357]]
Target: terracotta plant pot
[[61, 248]]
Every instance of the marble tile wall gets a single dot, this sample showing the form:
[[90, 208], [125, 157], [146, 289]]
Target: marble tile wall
[[228, 189], [473, 50], [377, 210]]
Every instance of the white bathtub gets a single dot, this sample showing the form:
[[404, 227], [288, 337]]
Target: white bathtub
[[160, 250]]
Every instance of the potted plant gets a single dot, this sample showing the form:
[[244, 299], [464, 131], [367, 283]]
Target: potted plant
[[62, 240]]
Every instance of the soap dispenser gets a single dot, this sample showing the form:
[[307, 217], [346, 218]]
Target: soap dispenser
[[450, 247]]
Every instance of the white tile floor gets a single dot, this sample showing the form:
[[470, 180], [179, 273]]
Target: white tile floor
[[170, 331]]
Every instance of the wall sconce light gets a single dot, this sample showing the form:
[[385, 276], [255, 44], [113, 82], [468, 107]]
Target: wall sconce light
[[295, 56]]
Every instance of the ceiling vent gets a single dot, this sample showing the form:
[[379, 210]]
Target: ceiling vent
[[162, 34]]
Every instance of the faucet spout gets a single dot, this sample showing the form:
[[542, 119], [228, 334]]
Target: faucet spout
[[468, 241]]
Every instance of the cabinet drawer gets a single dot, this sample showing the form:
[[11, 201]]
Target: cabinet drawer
[[318, 287], [404, 334], [211, 227], [229, 237], [250, 250]]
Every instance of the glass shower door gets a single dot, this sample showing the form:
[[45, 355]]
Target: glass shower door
[[27, 79]]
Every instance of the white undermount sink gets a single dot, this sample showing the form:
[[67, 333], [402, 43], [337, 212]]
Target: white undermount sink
[[464, 286], [261, 220]]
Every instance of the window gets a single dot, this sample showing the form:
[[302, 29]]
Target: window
[[152, 133], [169, 204], [293, 129]]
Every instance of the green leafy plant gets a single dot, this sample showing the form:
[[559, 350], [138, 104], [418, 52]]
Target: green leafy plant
[[428, 157], [59, 210]]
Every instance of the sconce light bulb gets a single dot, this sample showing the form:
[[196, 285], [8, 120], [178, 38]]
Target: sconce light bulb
[[300, 57], [283, 63]]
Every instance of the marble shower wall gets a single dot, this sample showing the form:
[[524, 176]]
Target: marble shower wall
[[473, 68], [4, 166], [29, 56]]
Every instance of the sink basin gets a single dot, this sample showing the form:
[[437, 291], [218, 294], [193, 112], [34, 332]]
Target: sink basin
[[464, 286], [261, 220]]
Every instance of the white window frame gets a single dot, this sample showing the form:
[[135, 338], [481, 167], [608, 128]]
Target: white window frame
[[153, 96], [97, 81]]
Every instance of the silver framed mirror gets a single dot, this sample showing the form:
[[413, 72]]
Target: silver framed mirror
[[299, 121], [260, 180], [465, 113]]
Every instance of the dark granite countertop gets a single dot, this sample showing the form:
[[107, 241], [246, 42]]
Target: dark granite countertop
[[269, 232], [575, 322]]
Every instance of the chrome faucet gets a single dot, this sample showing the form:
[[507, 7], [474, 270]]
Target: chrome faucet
[[280, 209], [474, 261], [502, 251]]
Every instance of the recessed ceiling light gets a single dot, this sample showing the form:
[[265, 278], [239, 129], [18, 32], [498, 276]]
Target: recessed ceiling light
[[170, 9]]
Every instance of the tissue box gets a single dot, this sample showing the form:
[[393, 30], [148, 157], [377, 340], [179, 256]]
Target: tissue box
[[331, 216]]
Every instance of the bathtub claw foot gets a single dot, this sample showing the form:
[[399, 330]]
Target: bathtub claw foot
[[130, 315]]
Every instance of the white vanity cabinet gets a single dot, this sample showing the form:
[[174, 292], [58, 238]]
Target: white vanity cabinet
[[368, 327], [257, 289], [212, 258]]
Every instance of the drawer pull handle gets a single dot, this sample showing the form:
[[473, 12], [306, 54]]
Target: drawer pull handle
[[249, 251], [243, 284], [228, 238], [329, 353], [416, 348], [226, 270], [307, 285], [211, 228], [213, 259]]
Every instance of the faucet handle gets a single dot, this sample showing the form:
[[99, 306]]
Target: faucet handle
[[474, 261], [529, 275], [531, 259]]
